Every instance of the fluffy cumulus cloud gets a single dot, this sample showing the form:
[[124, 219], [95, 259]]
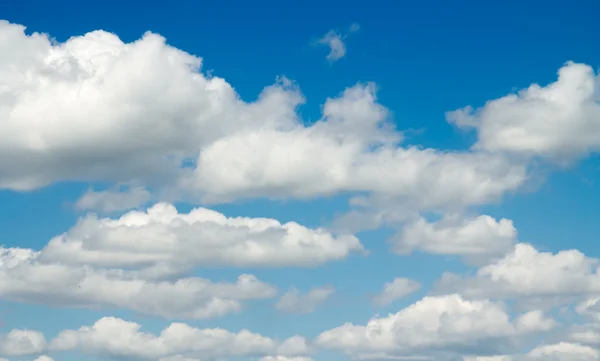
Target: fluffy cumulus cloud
[[143, 111], [141, 261], [528, 273], [562, 351], [435, 324], [473, 238], [559, 121], [24, 278], [132, 110], [22, 342], [117, 338], [163, 241]]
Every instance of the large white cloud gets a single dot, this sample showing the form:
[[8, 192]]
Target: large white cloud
[[162, 240], [95, 108], [117, 338], [24, 278], [433, 324], [560, 121], [332, 157]]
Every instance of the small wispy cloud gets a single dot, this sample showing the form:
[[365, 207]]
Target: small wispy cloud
[[115, 199], [336, 42], [295, 302]]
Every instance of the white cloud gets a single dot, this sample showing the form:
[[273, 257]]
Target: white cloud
[[295, 345], [447, 323], [526, 272], [132, 112], [40, 358], [353, 149], [113, 337], [114, 199], [162, 240], [587, 334], [397, 289], [562, 351], [590, 307], [286, 358], [560, 121], [139, 262], [22, 342], [295, 302], [335, 42], [24, 279], [95, 108], [473, 238]]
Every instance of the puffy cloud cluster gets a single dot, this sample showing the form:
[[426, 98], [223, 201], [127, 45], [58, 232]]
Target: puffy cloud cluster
[[143, 111], [24, 278], [115, 337], [162, 240], [139, 261], [119, 339]]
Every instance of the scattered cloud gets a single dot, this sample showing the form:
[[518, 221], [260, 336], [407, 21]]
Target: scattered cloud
[[336, 42], [143, 119]]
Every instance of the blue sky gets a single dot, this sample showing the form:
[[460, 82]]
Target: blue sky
[[354, 188]]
